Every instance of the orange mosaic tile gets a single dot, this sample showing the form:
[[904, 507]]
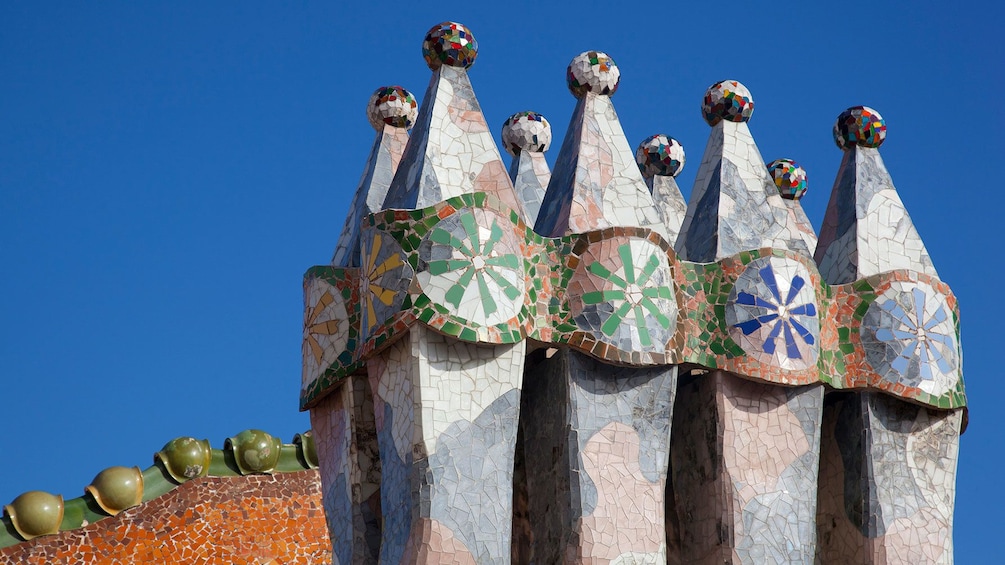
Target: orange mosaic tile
[[246, 520]]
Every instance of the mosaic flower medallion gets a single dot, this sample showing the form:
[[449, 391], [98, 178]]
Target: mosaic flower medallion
[[326, 328], [772, 313], [910, 338], [474, 267], [384, 278], [622, 293]]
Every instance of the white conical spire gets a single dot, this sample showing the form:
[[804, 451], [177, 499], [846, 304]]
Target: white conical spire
[[866, 228], [734, 204], [391, 111], [526, 136], [661, 158], [596, 182], [790, 179], [451, 151]]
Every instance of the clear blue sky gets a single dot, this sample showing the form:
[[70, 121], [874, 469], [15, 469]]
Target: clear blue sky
[[167, 174]]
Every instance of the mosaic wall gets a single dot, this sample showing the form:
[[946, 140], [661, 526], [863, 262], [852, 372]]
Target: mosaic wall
[[596, 469], [887, 481], [744, 458], [522, 337], [350, 464], [446, 425]]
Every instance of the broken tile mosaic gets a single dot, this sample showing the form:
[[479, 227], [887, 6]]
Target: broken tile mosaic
[[450, 44], [727, 100], [789, 177], [593, 71], [526, 131], [861, 126], [392, 106], [772, 313], [660, 155]]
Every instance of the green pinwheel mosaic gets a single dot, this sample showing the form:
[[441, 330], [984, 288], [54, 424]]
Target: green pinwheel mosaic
[[623, 294], [473, 267]]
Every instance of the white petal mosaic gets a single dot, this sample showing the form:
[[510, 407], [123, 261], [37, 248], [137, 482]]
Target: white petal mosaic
[[474, 267], [909, 337]]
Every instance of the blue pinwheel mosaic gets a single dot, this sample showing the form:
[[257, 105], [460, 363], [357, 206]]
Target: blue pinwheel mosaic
[[910, 338], [772, 313]]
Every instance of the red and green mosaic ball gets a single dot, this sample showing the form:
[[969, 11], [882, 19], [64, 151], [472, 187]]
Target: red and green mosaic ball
[[789, 177], [392, 106], [451, 44], [660, 155], [861, 126], [727, 100]]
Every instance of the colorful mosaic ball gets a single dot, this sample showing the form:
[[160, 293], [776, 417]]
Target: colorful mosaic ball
[[789, 177], [451, 44], [593, 71], [727, 100], [392, 106], [859, 125], [526, 131], [660, 155]]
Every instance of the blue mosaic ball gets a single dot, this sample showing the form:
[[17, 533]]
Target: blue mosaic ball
[[593, 71], [859, 125], [451, 44], [526, 131], [789, 177], [391, 106], [727, 100], [660, 155]]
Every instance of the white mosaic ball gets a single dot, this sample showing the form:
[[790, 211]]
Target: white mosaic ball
[[727, 100], [660, 155], [593, 71], [392, 106], [526, 131]]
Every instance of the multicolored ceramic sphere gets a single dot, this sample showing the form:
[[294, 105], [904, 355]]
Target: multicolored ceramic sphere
[[789, 177], [727, 100], [593, 71], [660, 155], [391, 106], [451, 44], [859, 125], [526, 131]]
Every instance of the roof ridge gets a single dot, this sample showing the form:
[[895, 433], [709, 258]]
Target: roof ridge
[[251, 452]]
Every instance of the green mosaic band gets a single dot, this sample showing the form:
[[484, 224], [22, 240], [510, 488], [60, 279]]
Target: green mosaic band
[[765, 314]]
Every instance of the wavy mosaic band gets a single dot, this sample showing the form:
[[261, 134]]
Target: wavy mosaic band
[[621, 295]]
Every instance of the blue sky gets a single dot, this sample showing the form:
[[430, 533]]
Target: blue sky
[[167, 174]]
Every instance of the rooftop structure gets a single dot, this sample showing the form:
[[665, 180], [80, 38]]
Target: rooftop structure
[[526, 365]]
